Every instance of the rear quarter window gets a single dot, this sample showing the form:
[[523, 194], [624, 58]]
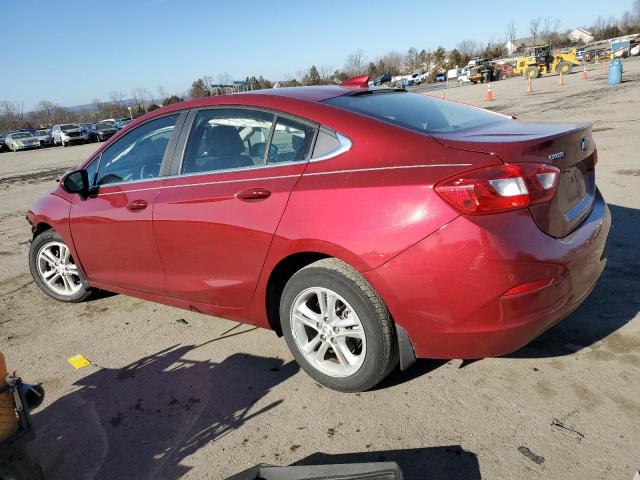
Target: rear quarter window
[[418, 112]]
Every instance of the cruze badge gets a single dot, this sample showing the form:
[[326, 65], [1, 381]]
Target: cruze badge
[[584, 143], [555, 156]]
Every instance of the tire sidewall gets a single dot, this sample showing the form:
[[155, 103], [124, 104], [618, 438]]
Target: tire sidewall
[[36, 244], [368, 374]]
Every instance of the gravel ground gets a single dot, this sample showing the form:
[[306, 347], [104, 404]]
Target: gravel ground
[[174, 394]]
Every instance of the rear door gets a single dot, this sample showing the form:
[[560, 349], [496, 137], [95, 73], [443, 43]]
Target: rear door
[[215, 219], [112, 230]]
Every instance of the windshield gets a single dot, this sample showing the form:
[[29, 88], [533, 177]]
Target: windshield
[[104, 126], [21, 135], [42, 132], [65, 128], [417, 112]]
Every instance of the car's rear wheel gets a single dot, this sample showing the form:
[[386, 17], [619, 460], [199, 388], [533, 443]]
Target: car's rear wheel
[[54, 270], [337, 327]]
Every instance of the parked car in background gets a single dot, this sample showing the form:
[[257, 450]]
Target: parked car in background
[[104, 130], [90, 130], [379, 80], [463, 75], [68, 133], [21, 141], [462, 233], [117, 122], [44, 137], [124, 122], [2, 145]]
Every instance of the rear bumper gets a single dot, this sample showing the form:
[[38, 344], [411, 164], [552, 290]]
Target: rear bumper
[[448, 290]]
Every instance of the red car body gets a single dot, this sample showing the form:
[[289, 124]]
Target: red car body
[[459, 285]]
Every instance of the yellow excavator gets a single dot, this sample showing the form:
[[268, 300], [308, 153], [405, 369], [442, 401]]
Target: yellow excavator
[[539, 60]]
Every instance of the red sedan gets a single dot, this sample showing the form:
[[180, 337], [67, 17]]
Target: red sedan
[[367, 226]]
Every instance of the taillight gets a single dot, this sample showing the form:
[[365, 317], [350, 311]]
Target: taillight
[[500, 188]]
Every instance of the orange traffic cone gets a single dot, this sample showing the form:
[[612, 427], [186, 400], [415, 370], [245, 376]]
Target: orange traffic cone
[[585, 75], [489, 96], [561, 82], [529, 85]]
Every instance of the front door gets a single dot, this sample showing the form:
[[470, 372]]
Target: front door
[[112, 229], [214, 222]]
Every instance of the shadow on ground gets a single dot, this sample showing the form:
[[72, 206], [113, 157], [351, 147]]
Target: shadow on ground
[[140, 421], [433, 463], [613, 303]]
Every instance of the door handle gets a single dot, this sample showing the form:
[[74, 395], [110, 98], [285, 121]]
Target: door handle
[[137, 205], [253, 194]]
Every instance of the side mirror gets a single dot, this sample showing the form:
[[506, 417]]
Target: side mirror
[[77, 182]]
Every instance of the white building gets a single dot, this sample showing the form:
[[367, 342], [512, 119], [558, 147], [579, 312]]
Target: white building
[[580, 35], [519, 44]]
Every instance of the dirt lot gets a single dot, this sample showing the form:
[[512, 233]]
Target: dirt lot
[[175, 394]]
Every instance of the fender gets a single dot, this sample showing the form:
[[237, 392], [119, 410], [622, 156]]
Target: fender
[[57, 205]]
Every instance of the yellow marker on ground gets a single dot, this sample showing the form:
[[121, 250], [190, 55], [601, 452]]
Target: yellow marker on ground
[[78, 361]]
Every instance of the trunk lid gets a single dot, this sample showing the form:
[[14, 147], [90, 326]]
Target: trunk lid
[[569, 147]]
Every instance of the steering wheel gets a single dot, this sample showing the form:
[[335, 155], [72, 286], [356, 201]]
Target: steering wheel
[[150, 170]]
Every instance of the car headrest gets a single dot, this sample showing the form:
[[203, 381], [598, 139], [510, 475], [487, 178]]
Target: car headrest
[[224, 140]]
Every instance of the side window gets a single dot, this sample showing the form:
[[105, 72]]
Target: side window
[[138, 154], [223, 139], [326, 143], [291, 141]]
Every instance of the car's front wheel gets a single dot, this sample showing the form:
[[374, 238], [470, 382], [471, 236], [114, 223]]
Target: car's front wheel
[[54, 270], [337, 327]]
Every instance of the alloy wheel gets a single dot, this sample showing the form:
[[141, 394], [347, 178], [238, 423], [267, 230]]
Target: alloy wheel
[[58, 270], [328, 332]]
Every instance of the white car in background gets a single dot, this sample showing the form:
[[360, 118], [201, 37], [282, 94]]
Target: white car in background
[[68, 133], [21, 141]]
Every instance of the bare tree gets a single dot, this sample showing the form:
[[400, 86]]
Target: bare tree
[[355, 64], [326, 72], [549, 27], [534, 28], [162, 93], [116, 97], [468, 48], [393, 62], [511, 32]]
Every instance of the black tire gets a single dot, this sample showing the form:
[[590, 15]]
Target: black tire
[[37, 244], [564, 67], [382, 345], [532, 72]]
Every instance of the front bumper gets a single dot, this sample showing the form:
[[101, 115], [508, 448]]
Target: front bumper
[[105, 136], [82, 138], [448, 290], [27, 147]]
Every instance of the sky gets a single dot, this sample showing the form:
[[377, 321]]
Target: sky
[[72, 52]]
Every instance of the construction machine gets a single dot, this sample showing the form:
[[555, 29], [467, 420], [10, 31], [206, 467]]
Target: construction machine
[[539, 60]]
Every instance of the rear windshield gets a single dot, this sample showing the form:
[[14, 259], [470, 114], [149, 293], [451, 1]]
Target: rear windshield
[[417, 112]]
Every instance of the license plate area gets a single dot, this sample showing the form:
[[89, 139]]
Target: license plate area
[[574, 185]]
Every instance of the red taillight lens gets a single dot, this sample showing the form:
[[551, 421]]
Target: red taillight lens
[[500, 188]]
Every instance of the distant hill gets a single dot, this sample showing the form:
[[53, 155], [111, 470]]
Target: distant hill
[[89, 107]]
